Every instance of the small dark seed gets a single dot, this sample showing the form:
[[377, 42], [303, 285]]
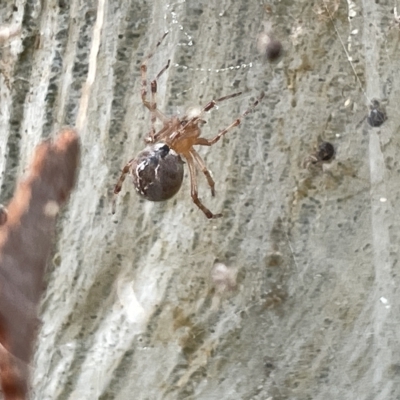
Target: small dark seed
[[325, 151], [376, 118], [273, 50]]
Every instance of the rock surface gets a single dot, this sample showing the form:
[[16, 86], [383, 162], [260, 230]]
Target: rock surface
[[293, 293]]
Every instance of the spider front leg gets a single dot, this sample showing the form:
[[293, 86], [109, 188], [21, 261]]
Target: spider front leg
[[194, 120], [193, 188], [152, 104], [208, 142]]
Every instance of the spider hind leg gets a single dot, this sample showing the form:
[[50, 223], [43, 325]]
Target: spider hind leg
[[119, 184], [236, 122], [193, 189], [204, 170]]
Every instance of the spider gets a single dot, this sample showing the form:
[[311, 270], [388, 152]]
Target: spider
[[157, 171]]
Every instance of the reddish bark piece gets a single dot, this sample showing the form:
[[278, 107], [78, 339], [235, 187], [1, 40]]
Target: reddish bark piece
[[3, 215], [25, 243]]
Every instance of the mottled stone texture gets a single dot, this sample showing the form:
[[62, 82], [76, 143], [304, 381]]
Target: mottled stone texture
[[135, 307]]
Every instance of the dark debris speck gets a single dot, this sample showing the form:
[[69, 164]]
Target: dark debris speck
[[376, 116]]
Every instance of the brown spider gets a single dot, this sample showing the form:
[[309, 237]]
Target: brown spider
[[157, 171]]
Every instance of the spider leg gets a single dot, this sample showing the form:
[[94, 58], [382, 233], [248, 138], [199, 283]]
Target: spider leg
[[204, 170], [213, 103], [118, 186], [193, 188], [210, 142], [310, 160], [153, 86], [152, 104], [198, 117], [143, 70]]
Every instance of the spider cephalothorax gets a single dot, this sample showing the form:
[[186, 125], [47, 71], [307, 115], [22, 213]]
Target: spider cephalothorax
[[157, 171]]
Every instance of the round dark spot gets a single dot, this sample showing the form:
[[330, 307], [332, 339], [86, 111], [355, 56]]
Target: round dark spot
[[376, 116], [273, 50], [325, 151]]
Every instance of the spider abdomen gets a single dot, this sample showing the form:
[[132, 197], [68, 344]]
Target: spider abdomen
[[157, 172]]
